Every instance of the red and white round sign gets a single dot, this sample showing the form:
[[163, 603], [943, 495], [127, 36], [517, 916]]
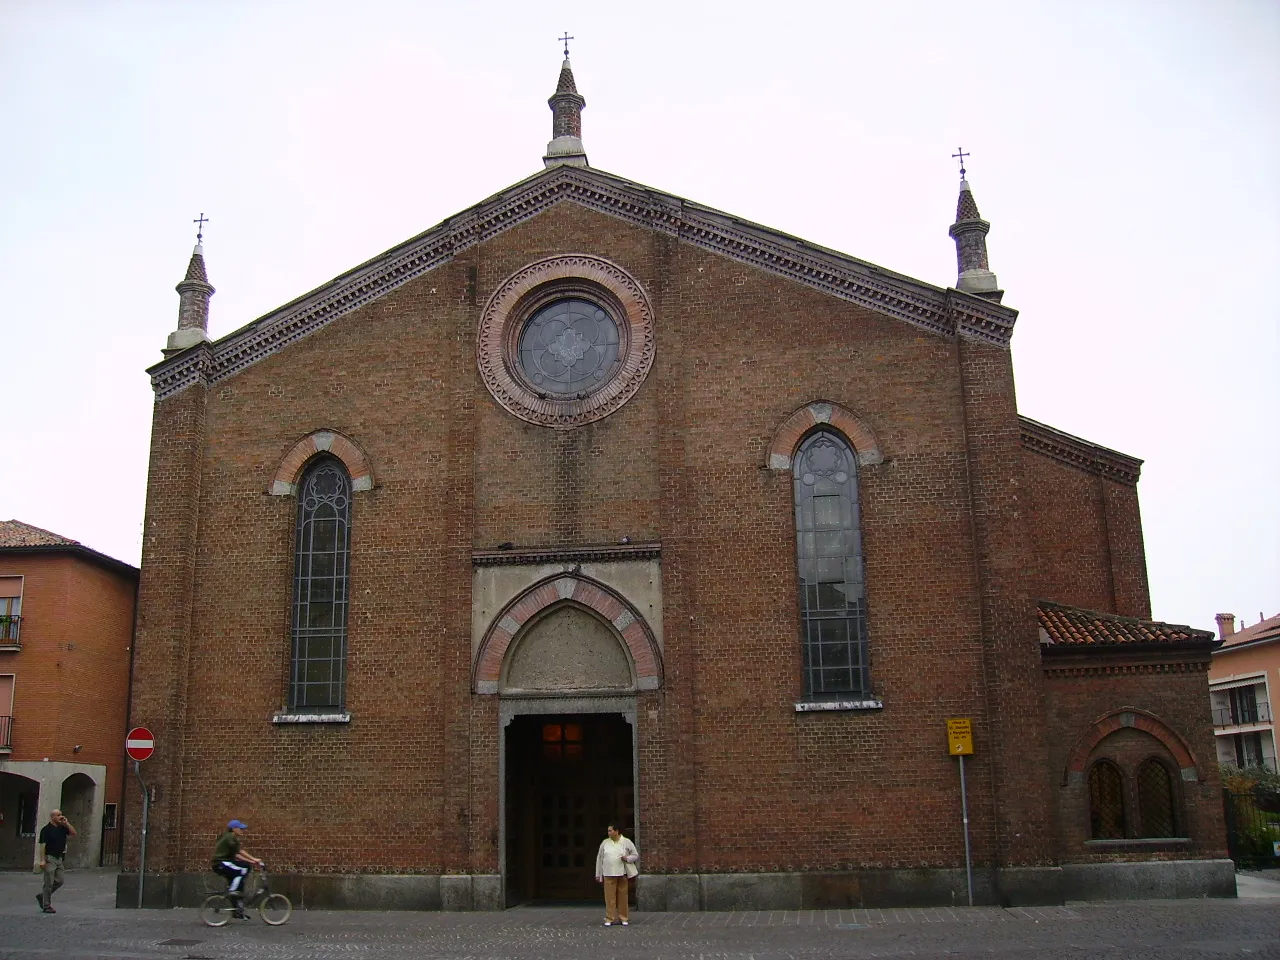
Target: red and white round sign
[[139, 743]]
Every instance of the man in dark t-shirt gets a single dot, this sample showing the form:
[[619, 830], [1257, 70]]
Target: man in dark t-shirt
[[232, 861], [53, 849]]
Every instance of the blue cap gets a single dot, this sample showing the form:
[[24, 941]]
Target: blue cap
[[237, 824]]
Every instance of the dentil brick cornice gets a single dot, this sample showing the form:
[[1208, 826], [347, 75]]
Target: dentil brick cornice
[[947, 312]]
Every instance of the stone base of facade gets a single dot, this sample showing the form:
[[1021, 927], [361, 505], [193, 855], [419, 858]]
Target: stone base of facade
[[812, 891], [328, 891], [1010, 887], [1149, 880]]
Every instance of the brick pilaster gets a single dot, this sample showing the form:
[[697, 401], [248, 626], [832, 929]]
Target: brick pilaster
[[162, 643], [669, 743], [1011, 649]]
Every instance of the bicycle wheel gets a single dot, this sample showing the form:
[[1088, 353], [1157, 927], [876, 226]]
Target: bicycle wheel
[[216, 910], [276, 909]]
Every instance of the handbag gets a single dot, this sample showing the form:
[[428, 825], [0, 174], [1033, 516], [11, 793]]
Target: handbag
[[627, 865]]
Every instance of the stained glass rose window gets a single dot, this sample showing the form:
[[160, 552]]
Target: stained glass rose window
[[568, 347], [566, 340]]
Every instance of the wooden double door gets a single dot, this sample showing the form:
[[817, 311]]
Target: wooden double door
[[568, 778]]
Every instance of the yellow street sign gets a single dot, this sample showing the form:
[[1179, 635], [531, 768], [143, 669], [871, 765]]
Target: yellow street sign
[[960, 736]]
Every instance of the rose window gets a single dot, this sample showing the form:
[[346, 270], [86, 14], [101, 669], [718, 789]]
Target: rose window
[[566, 341], [568, 347]]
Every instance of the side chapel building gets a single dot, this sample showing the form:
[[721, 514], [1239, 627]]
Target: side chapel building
[[594, 505]]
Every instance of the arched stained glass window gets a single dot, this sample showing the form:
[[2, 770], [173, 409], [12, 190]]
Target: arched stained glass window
[[319, 663], [1155, 800], [833, 606], [1106, 801]]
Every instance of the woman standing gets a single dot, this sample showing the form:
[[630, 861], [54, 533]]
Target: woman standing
[[615, 863]]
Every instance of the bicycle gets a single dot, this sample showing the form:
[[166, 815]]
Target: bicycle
[[274, 908]]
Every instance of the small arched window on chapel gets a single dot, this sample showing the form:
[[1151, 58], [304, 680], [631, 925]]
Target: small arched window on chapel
[[833, 606], [1106, 801], [1155, 800], [319, 661]]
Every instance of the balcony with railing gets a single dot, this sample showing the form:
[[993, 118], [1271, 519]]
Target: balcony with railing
[[6, 734], [10, 625], [1242, 715]]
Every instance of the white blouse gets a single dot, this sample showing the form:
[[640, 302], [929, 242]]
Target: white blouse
[[612, 859]]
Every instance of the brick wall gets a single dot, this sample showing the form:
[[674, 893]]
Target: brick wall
[[165, 610], [72, 673], [1174, 694], [1014, 691], [1086, 532], [1128, 552], [411, 783]]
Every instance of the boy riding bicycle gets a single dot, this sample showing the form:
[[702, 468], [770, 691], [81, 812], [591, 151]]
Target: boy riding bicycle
[[232, 861]]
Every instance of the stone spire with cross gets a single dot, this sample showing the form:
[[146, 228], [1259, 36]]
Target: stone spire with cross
[[566, 118], [194, 292], [970, 234]]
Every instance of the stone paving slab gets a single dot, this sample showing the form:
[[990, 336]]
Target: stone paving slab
[[1258, 887], [87, 925]]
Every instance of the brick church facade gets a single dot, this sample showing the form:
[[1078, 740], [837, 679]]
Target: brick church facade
[[591, 504]]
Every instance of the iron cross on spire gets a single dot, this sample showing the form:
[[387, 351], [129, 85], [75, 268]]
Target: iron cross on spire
[[200, 229], [961, 155], [566, 38]]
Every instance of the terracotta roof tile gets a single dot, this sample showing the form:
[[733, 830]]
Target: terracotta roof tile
[[15, 533], [1072, 626], [1267, 629]]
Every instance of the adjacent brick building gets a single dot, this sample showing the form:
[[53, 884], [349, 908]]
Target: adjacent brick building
[[66, 629], [593, 504]]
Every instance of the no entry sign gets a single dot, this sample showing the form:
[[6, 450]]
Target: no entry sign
[[139, 743]]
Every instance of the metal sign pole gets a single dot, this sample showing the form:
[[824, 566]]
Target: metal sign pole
[[964, 810], [146, 805]]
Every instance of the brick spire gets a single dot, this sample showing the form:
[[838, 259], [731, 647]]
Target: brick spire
[[970, 234], [193, 310], [566, 123]]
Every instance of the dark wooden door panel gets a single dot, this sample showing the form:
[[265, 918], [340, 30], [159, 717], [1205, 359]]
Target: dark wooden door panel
[[568, 778]]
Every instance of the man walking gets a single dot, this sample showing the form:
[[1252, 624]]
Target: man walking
[[53, 850]]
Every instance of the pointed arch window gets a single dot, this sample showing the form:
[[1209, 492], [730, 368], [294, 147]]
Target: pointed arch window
[[1155, 800], [319, 661], [833, 606], [1106, 801]]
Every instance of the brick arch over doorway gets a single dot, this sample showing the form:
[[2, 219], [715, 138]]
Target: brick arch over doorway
[[596, 597], [285, 482], [789, 433], [1128, 717]]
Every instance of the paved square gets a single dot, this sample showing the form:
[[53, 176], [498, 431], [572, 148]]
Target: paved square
[[88, 926]]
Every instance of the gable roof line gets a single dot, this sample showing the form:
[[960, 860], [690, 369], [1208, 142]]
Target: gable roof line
[[943, 311], [15, 533], [1080, 453], [1263, 631], [75, 550], [1249, 644], [17, 538]]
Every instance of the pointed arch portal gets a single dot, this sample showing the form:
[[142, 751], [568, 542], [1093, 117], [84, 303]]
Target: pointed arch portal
[[568, 762], [579, 591]]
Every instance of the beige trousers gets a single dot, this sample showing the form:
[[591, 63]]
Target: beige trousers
[[615, 898], [52, 877]]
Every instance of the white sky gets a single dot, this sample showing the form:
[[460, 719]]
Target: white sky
[[1124, 152]]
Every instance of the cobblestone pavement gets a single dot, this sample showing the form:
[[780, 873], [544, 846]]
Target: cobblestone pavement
[[88, 927]]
